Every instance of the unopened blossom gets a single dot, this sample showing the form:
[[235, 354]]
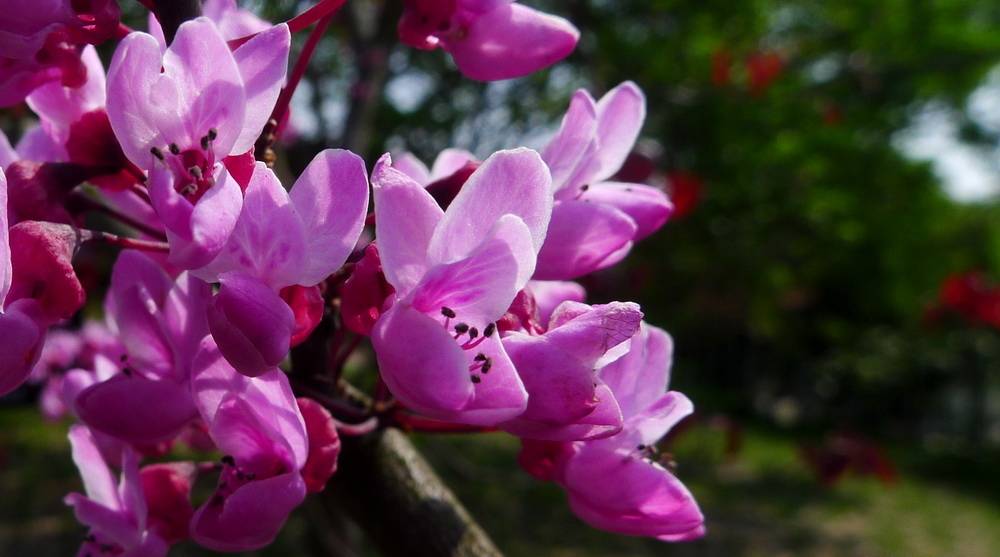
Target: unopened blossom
[[645, 498], [324, 444], [489, 40], [256, 424], [40, 42], [160, 321], [567, 401], [167, 488], [283, 238], [116, 514], [455, 273], [180, 112], [595, 222]]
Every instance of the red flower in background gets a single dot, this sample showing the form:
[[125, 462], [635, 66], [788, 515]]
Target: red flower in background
[[970, 296], [762, 69], [685, 190]]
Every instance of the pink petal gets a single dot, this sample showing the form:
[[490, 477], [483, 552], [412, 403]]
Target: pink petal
[[268, 241], [649, 207], [582, 238], [251, 324], [6, 272], [112, 523], [98, 482], [591, 334], [640, 377], [262, 61], [167, 489], [511, 41], [500, 394], [139, 289], [405, 218], [573, 145], [549, 294], [7, 153], [620, 114], [209, 86], [421, 363], [135, 409], [331, 198], [60, 106], [514, 182], [480, 288], [447, 163], [251, 517], [38, 145], [407, 163]]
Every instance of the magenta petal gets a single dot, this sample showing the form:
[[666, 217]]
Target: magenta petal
[[60, 106], [324, 444], [267, 241], [135, 409], [208, 84], [511, 41], [6, 271], [480, 287], [262, 61], [499, 394], [421, 363], [640, 377], [620, 114], [549, 294], [407, 163], [405, 219], [110, 522], [649, 207], [22, 344], [98, 482], [447, 163], [251, 517], [251, 324], [514, 182], [331, 198], [590, 334], [570, 149], [582, 238]]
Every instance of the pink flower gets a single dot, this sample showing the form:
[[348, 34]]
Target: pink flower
[[595, 222], [455, 273], [256, 423], [160, 322], [645, 498], [566, 400], [117, 515], [180, 112], [488, 39], [40, 42], [283, 239]]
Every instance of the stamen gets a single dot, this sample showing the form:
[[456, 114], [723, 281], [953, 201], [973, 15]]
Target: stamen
[[174, 149], [156, 153], [480, 357], [473, 333], [229, 460], [461, 328], [196, 172], [487, 365], [476, 379], [204, 143], [447, 312], [212, 134], [489, 330]]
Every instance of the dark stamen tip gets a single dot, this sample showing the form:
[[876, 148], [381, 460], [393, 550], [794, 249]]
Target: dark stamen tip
[[156, 152], [229, 460], [461, 328], [174, 149], [489, 330], [473, 333], [476, 379], [447, 312], [212, 134], [487, 365], [480, 357]]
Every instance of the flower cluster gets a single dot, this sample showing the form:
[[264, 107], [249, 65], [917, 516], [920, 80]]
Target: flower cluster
[[460, 277]]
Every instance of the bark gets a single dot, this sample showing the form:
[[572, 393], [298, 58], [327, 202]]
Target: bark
[[386, 486]]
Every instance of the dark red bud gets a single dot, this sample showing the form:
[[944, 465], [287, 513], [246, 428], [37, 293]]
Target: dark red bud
[[364, 293], [307, 306], [444, 190], [92, 142], [324, 445], [41, 258], [167, 488], [240, 167]]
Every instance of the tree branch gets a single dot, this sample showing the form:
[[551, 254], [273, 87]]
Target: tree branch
[[387, 487]]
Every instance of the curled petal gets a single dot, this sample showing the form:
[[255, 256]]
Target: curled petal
[[646, 205], [324, 445], [620, 114]]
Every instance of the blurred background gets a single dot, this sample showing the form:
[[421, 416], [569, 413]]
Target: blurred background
[[831, 277]]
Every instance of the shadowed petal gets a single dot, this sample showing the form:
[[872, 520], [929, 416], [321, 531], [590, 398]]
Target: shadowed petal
[[136, 409], [649, 207], [582, 238], [620, 114]]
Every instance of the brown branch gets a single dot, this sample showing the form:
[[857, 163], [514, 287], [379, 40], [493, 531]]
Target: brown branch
[[387, 487]]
